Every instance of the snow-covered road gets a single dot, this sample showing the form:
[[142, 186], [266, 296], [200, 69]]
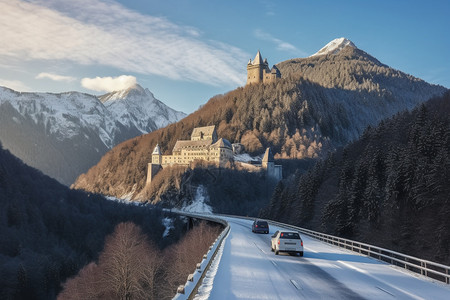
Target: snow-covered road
[[247, 269]]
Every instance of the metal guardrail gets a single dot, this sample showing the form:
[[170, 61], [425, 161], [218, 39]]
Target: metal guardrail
[[411, 263], [424, 267], [194, 280]]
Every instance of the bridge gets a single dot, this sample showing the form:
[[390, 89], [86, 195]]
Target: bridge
[[244, 267]]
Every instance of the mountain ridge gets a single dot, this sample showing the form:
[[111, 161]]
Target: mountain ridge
[[63, 134]]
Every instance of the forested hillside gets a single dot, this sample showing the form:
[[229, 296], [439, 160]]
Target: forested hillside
[[389, 188], [296, 116], [49, 232]]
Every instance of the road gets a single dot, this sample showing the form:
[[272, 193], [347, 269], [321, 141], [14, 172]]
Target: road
[[247, 269]]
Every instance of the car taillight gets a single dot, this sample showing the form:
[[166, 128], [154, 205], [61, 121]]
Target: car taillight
[[256, 226], [301, 243], [278, 242]]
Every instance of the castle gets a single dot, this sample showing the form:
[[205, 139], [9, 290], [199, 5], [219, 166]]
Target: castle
[[258, 71], [205, 145]]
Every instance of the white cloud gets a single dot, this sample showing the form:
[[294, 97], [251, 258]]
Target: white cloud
[[55, 77], [15, 85], [108, 84], [103, 32], [281, 45]]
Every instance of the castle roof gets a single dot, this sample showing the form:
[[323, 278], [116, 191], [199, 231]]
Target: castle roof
[[157, 150], [268, 156], [222, 143], [275, 70], [191, 144], [258, 59], [199, 132]]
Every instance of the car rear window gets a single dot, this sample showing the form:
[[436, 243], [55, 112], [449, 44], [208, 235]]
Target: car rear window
[[289, 235], [262, 224]]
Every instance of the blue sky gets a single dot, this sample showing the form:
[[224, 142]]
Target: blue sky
[[176, 48]]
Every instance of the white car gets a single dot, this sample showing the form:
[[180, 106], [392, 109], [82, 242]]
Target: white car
[[287, 241]]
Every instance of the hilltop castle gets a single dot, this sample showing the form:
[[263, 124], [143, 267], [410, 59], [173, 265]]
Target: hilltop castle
[[258, 71], [205, 145]]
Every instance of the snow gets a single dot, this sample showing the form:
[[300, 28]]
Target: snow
[[168, 223], [198, 205], [66, 115], [247, 269], [204, 291], [136, 105], [335, 46], [245, 158]]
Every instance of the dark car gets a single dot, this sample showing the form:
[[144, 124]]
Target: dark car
[[260, 226]]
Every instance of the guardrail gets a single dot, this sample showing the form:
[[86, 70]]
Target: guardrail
[[411, 263], [194, 280], [424, 267]]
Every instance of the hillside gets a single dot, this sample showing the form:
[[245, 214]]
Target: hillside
[[64, 134], [49, 232], [303, 115], [389, 188]]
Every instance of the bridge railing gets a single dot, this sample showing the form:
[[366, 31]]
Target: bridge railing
[[194, 280], [414, 264], [424, 267]]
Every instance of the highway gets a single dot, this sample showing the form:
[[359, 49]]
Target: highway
[[247, 269]]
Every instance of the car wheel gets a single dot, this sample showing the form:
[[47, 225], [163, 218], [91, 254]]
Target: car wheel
[[276, 252], [301, 253], [271, 249]]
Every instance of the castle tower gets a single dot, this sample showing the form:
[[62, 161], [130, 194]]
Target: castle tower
[[154, 167], [256, 69], [156, 155], [268, 162]]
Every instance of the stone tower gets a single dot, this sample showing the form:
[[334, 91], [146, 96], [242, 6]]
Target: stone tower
[[258, 71], [268, 163], [154, 167]]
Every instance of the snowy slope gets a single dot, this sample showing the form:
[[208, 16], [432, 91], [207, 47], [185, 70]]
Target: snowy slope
[[335, 46], [138, 107], [65, 134], [247, 269], [63, 115]]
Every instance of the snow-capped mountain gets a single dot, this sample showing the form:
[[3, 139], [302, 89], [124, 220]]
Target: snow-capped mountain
[[335, 46], [138, 107], [64, 134]]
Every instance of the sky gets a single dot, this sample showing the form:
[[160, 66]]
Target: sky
[[186, 52]]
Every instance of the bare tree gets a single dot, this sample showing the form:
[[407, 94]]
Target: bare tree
[[127, 269], [83, 286]]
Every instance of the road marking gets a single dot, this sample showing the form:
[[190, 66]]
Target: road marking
[[274, 263], [385, 291], [297, 286], [259, 248]]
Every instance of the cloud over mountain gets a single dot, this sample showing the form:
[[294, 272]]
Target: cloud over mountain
[[108, 84]]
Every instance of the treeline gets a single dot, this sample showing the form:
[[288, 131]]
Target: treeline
[[390, 188], [49, 232], [132, 267]]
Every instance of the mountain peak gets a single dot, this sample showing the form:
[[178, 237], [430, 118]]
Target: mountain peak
[[335, 46], [131, 92]]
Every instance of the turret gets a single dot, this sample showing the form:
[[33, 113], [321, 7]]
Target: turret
[[156, 156], [268, 161], [258, 71], [154, 167]]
